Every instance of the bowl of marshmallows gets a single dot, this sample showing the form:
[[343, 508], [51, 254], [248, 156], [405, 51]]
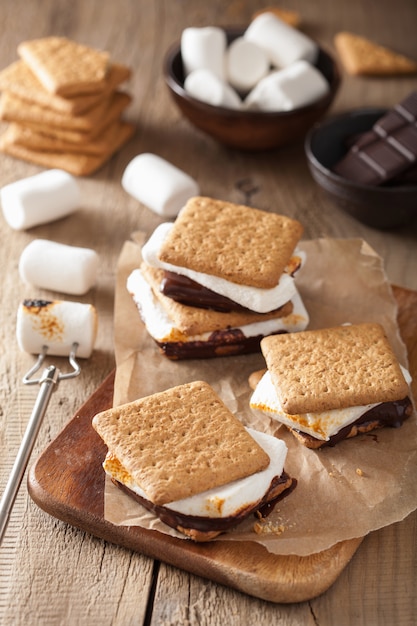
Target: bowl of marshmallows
[[253, 89]]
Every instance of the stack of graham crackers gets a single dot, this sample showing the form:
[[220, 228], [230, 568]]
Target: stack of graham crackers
[[63, 105]]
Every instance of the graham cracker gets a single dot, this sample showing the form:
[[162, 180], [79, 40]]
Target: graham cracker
[[180, 442], [292, 18], [20, 81], [117, 105], [34, 140], [333, 368], [191, 320], [78, 164], [244, 245], [14, 109], [65, 67], [361, 56]]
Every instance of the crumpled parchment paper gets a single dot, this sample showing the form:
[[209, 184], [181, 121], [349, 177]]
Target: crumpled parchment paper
[[344, 492]]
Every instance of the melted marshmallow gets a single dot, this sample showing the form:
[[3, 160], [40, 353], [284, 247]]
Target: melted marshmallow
[[160, 326]]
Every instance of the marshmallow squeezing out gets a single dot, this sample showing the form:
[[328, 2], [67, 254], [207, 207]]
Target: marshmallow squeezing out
[[232, 497]]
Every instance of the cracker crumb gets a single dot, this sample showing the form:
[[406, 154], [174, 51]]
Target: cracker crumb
[[359, 471], [268, 527]]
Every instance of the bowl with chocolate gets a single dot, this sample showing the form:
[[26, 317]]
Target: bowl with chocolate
[[365, 160], [267, 113]]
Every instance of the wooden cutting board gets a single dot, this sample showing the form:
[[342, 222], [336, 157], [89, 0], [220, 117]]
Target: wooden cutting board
[[67, 481]]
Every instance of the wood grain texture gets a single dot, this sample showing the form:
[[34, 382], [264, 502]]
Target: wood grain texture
[[50, 572]]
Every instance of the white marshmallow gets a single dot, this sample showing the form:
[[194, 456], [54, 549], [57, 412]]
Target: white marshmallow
[[58, 267], [246, 64], [39, 199], [293, 87], [207, 87], [203, 48], [158, 184], [283, 43], [56, 324]]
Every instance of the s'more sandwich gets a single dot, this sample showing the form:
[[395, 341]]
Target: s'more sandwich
[[332, 384], [184, 456], [218, 279]]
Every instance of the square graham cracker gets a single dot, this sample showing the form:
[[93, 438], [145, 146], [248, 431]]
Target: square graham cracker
[[14, 109], [65, 67], [241, 244], [363, 57], [20, 81], [76, 163], [333, 368], [180, 442]]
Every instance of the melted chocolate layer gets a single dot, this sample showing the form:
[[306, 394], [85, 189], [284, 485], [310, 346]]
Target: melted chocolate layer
[[187, 291], [206, 524], [392, 414], [220, 343]]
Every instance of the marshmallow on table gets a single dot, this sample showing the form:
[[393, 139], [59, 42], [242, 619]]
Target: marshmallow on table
[[295, 86], [39, 199], [283, 43], [57, 325], [204, 48], [246, 64], [207, 87], [58, 267], [158, 184]]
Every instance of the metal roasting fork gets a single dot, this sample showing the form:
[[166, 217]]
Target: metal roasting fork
[[48, 382]]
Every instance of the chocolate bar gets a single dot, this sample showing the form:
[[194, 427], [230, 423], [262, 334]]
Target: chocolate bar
[[386, 151]]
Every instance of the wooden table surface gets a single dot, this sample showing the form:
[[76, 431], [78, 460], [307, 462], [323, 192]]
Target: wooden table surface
[[50, 572]]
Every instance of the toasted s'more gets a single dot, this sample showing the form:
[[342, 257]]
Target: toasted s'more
[[184, 456], [218, 279], [332, 384]]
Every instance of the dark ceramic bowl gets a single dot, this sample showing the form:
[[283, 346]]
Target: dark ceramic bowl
[[381, 207], [248, 130]]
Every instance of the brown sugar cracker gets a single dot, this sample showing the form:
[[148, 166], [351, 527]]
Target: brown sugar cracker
[[35, 140], [76, 163], [14, 109], [191, 320], [180, 442], [116, 105], [20, 81], [65, 67], [333, 368], [361, 56], [241, 244]]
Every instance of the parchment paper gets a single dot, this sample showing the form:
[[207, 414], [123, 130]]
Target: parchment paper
[[343, 492]]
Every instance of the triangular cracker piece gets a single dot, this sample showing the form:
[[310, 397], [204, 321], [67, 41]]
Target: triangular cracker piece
[[65, 67], [363, 57]]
